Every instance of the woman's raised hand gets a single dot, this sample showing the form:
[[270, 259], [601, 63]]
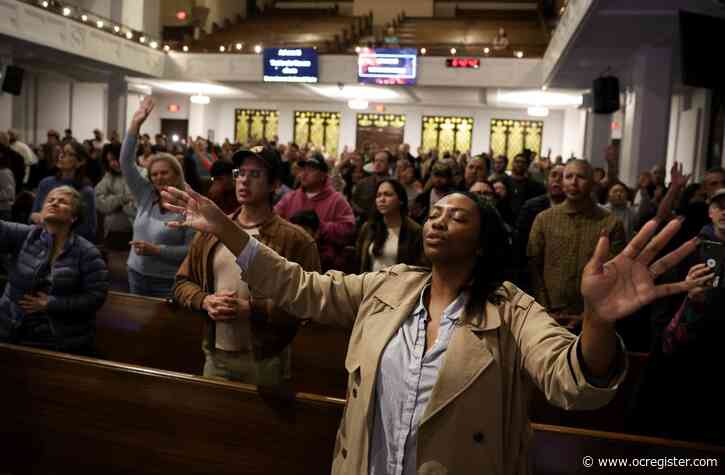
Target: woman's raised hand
[[141, 114], [199, 212], [619, 287]]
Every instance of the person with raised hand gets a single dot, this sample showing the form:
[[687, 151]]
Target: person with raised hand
[[439, 359], [156, 250]]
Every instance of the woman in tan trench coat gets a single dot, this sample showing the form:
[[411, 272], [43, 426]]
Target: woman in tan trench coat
[[472, 416]]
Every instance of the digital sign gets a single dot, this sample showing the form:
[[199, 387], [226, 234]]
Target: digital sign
[[290, 65], [474, 63], [387, 66]]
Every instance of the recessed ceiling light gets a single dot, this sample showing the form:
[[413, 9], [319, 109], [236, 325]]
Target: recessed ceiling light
[[185, 49], [167, 48], [369, 93], [486, 50], [423, 51], [222, 49], [519, 54], [99, 23], [357, 49], [544, 87], [129, 35], [142, 39], [453, 51], [154, 44], [238, 46], [45, 4], [84, 17], [257, 49], [67, 11], [116, 28]]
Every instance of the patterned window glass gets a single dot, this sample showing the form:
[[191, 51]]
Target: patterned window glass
[[447, 133], [322, 129], [252, 125], [510, 137]]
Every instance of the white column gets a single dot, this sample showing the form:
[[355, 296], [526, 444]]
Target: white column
[[197, 120], [647, 113], [574, 129], [117, 105], [598, 137]]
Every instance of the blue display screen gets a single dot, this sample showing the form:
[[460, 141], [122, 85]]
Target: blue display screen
[[290, 65], [387, 66]]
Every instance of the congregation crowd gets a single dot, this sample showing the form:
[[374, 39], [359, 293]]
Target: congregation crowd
[[65, 201]]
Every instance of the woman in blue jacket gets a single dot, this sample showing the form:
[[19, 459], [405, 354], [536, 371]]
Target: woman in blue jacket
[[58, 280]]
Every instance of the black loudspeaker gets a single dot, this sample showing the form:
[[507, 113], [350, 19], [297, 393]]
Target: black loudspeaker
[[605, 92], [13, 80]]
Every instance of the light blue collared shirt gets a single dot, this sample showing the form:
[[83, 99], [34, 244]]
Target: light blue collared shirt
[[403, 388]]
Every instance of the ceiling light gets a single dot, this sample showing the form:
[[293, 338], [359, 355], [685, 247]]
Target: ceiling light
[[357, 49], [129, 35], [238, 46], [99, 23], [538, 111], [519, 54], [84, 17], [423, 51], [67, 11], [191, 88], [222, 49], [167, 48], [142, 39], [185, 49], [181, 15], [486, 50], [154, 44], [175, 138], [357, 104], [453, 51], [369, 93], [116, 28], [45, 4], [199, 99], [537, 97], [257, 49], [544, 87]]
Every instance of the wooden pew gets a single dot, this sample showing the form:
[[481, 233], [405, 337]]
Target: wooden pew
[[81, 415], [69, 414], [158, 334], [149, 332]]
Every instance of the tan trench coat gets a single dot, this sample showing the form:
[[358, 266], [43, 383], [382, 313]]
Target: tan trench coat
[[477, 419]]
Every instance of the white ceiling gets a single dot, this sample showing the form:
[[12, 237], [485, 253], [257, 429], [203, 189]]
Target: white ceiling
[[614, 30], [416, 95]]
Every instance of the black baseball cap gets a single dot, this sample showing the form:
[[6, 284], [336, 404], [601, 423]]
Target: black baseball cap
[[316, 160], [270, 158]]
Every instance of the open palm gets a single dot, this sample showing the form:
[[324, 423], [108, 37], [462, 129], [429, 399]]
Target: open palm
[[617, 288], [199, 212]]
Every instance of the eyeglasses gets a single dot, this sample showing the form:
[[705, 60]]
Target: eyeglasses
[[241, 173]]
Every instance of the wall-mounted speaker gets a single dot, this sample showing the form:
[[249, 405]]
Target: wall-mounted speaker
[[13, 80], [605, 92]]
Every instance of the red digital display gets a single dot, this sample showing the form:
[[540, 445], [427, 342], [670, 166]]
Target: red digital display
[[463, 63]]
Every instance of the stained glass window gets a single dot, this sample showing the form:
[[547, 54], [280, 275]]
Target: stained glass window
[[252, 125], [447, 134], [322, 129], [510, 137]]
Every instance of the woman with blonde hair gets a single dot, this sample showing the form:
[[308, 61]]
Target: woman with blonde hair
[[156, 250]]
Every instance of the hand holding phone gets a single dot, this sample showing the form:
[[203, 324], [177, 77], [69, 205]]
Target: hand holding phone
[[712, 253]]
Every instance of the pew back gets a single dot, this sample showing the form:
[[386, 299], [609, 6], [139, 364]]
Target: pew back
[[65, 413]]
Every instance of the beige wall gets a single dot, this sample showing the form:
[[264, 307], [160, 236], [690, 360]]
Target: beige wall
[[385, 10]]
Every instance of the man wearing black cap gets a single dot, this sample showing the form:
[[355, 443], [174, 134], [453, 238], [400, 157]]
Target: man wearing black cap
[[247, 338], [337, 222]]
